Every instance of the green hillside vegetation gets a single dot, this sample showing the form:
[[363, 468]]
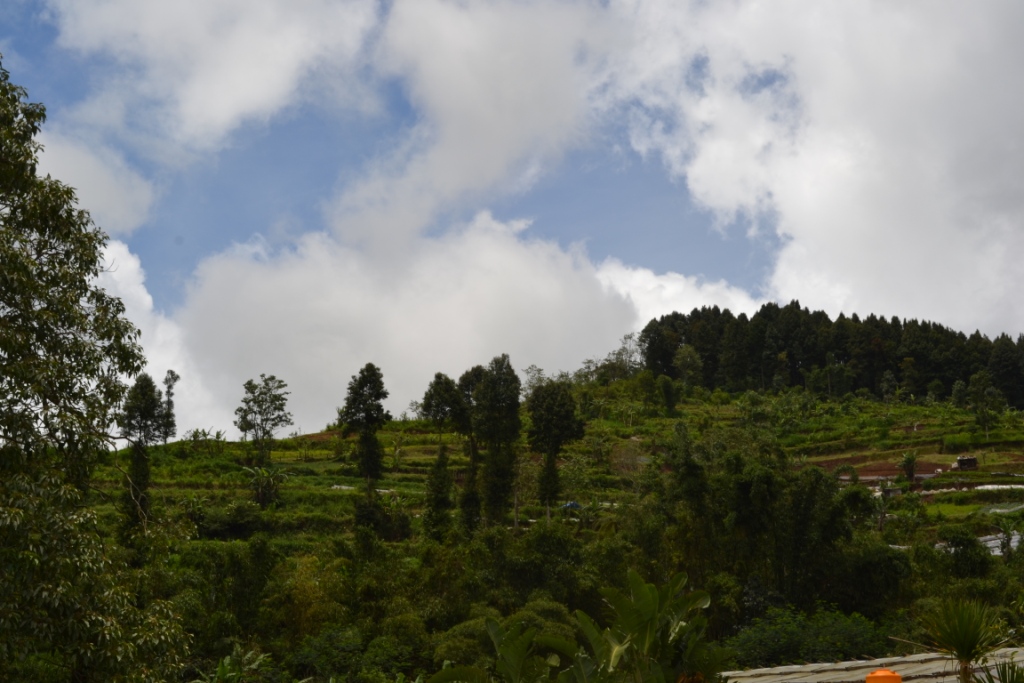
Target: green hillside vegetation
[[759, 497]]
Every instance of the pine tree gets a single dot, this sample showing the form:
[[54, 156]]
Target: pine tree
[[496, 421], [554, 423], [364, 412], [437, 518], [470, 504], [169, 427]]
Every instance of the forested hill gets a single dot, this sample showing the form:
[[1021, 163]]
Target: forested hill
[[785, 346]]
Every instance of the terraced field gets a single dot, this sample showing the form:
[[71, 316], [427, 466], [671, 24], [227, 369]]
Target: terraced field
[[858, 437]]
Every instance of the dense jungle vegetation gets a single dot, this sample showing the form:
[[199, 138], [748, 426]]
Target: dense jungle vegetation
[[720, 491], [764, 499]]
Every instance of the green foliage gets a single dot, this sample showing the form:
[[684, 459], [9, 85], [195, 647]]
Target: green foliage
[[222, 583], [262, 413], [265, 484], [364, 403], [965, 630], [238, 520], [444, 404], [496, 404], [957, 443], [785, 636], [548, 484], [729, 489], [333, 652], [656, 634], [908, 465], [169, 426], [437, 518], [1006, 671], [135, 504], [986, 400], [386, 517], [369, 456], [688, 365], [553, 423], [516, 661], [65, 344], [237, 667], [966, 556], [143, 419], [668, 394], [364, 412], [553, 417], [958, 397], [496, 421]]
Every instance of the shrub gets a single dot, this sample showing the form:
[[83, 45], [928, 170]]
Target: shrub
[[956, 443], [785, 636]]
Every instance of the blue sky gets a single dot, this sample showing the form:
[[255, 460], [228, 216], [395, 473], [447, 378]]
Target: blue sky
[[301, 189]]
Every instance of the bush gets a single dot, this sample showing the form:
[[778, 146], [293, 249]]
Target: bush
[[334, 651], [785, 636], [237, 521], [956, 443]]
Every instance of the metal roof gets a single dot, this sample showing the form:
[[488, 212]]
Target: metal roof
[[930, 667]]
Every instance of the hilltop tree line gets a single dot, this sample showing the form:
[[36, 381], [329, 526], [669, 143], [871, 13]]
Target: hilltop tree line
[[788, 346]]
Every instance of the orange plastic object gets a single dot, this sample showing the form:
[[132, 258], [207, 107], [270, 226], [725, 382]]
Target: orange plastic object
[[884, 676]]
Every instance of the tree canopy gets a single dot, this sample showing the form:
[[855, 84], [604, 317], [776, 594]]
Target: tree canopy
[[364, 404], [65, 346], [263, 412], [143, 419], [445, 405], [553, 418]]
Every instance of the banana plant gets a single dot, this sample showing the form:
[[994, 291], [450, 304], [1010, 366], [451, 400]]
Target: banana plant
[[236, 667], [264, 483], [517, 659], [656, 636]]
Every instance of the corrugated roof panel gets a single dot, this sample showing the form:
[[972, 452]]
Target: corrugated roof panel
[[930, 667]]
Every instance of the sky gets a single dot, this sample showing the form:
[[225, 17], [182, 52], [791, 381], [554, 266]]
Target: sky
[[299, 188]]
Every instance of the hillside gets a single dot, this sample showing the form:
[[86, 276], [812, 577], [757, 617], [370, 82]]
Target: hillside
[[331, 582]]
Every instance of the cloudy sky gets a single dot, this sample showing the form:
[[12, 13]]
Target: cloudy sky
[[300, 187]]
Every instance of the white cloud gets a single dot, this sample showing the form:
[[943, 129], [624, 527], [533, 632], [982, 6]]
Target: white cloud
[[500, 87], [314, 315], [118, 198], [189, 72], [163, 342], [655, 295], [880, 140]]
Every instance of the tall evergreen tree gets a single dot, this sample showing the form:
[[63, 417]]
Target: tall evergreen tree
[[553, 423], [444, 404], [469, 501], [364, 413], [437, 518], [496, 421], [985, 399], [142, 423], [1006, 366], [170, 426]]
